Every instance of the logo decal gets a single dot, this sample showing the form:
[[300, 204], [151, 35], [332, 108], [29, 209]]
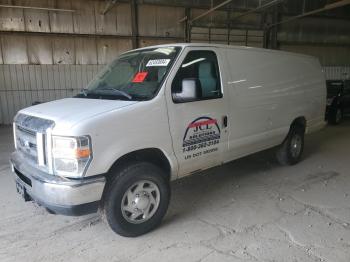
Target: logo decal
[[202, 136], [25, 145]]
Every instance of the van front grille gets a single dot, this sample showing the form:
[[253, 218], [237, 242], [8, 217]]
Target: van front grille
[[27, 143], [30, 138]]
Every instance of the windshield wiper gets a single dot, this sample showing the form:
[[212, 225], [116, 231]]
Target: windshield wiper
[[140, 97], [119, 92]]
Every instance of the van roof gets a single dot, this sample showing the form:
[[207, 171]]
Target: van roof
[[256, 49]]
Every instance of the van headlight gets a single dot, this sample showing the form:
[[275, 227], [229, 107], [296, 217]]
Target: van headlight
[[71, 156]]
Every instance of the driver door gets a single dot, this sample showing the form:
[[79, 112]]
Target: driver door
[[199, 127]]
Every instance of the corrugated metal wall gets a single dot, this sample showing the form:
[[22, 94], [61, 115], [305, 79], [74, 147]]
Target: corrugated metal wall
[[82, 37], [329, 40], [337, 72], [48, 55], [252, 38], [22, 85]]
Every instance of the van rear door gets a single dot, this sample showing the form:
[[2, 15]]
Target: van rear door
[[198, 127]]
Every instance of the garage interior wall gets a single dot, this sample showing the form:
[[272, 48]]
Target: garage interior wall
[[47, 55]]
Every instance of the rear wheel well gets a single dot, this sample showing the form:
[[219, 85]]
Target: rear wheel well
[[151, 155], [299, 122]]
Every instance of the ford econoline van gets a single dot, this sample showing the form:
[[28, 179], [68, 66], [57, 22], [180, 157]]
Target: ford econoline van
[[157, 114]]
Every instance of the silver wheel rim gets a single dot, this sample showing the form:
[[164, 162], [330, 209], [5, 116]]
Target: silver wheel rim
[[338, 116], [140, 201], [296, 143]]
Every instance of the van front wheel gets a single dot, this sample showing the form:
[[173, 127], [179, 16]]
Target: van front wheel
[[289, 153], [137, 199]]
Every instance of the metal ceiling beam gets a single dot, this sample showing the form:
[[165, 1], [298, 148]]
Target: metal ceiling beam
[[205, 13], [327, 7], [37, 8], [259, 8], [73, 35], [108, 6]]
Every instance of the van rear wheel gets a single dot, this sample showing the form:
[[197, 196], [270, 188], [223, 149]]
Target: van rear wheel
[[137, 199], [289, 153]]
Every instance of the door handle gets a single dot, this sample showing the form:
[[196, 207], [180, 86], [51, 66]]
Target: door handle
[[224, 121]]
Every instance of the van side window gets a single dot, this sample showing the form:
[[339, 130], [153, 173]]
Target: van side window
[[203, 67]]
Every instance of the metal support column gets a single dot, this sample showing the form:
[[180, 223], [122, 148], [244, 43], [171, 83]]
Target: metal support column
[[274, 30], [265, 28], [209, 34], [187, 30], [266, 39], [228, 14], [134, 24]]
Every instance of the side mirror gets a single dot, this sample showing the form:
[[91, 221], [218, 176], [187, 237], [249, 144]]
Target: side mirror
[[190, 91]]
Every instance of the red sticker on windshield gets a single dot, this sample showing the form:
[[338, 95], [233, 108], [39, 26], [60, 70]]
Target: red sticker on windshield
[[140, 77]]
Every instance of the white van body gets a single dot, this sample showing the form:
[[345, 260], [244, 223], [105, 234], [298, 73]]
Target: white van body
[[263, 92]]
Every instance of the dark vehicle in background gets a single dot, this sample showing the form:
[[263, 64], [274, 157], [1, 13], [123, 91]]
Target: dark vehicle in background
[[338, 100]]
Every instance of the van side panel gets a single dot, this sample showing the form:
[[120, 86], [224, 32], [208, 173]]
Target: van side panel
[[268, 90]]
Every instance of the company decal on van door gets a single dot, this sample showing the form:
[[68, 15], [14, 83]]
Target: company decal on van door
[[201, 137]]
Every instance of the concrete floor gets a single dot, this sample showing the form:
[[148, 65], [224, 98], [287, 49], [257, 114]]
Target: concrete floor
[[249, 210]]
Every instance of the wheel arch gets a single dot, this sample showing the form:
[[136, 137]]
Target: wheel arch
[[299, 122], [152, 155]]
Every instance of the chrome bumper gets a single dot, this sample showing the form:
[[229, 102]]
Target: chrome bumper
[[58, 194]]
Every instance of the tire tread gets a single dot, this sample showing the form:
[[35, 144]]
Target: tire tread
[[283, 156], [121, 174]]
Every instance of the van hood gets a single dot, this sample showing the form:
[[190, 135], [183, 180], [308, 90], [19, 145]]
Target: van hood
[[69, 111]]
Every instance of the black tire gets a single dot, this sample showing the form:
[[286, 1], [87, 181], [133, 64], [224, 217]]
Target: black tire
[[336, 116], [126, 177], [285, 153]]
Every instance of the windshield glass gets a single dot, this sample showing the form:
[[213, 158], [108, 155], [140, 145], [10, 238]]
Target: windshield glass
[[334, 88], [132, 76]]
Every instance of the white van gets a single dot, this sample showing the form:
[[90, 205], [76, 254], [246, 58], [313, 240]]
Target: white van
[[161, 113]]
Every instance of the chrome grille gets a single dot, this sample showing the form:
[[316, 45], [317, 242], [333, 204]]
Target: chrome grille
[[31, 138], [27, 143]]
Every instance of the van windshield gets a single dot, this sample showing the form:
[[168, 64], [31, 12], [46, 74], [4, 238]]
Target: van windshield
[[134, 75]]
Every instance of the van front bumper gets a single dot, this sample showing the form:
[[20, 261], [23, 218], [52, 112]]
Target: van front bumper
[[57, 194]]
